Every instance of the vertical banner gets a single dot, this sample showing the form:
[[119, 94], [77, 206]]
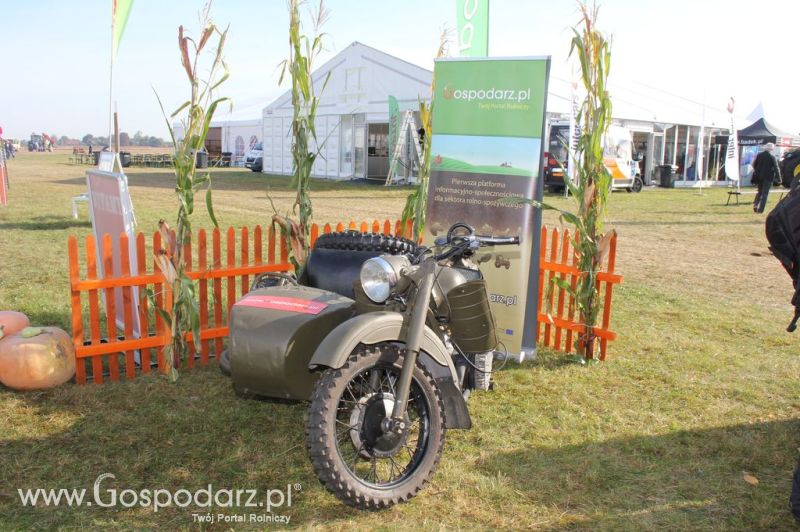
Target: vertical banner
[[488, 125], [394, 123], [472, 18], [732, 153], [574, 136]]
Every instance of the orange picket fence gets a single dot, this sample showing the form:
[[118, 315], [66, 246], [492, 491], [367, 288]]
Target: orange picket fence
[[559, 329], [104, 348]]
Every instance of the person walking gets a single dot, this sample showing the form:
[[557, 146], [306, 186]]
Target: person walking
[[766, 172]]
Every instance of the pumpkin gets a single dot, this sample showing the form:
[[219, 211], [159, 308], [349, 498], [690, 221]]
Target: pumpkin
[[37, 358], [12, 322]]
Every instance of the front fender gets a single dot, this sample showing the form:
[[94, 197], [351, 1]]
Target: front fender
[[373, 328], [376, 327]]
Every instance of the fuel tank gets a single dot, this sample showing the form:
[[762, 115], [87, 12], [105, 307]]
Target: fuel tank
[[273, 333]]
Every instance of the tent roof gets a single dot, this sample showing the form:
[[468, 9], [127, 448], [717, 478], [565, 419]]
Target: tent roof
[[762, 128], [378, 74], [761, 132]]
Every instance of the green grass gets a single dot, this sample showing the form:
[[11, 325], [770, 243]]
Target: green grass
[[702, 386]]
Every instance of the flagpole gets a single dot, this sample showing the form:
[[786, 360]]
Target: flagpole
[[111, 79]]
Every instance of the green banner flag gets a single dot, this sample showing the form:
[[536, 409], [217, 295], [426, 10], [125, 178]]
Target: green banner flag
[[488, 124], [473, 27], [394, 123], [121, 11]]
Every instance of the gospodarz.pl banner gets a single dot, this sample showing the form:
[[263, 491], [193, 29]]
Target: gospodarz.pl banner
[[488, 124]]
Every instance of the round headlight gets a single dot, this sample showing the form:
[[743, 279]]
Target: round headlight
[[377, 279]]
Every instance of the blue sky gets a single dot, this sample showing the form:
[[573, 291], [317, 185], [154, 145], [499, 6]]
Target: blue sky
[[56, 79]]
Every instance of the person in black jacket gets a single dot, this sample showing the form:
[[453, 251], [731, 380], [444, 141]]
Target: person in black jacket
[[765, 173]]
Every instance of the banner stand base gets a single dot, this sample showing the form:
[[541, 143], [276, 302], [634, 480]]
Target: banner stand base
[[527, 354]]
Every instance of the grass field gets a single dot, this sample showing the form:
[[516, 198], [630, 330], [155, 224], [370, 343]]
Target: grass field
[[701, 388]]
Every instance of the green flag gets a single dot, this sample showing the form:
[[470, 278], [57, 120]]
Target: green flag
[[473, 28], [394, 123], [121, 10]]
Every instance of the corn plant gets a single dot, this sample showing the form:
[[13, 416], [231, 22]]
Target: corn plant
[[303, 51], [417, 200], [197, 55], [591, 189]]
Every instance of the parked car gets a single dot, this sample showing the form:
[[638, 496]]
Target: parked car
[[555, 158], [254, 159]]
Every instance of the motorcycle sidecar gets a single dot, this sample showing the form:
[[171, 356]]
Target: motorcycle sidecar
[[274, 331]]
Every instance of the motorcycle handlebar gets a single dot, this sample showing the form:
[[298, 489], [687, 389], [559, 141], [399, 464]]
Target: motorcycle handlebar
[[497, 240], [465, 246]]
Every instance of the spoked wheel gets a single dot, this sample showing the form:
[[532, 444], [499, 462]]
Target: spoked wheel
[[353, 456]]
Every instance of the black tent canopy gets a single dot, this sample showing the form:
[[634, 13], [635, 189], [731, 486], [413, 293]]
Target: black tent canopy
[[761, 132]]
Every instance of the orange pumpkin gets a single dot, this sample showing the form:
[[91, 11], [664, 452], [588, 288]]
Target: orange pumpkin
[[31, 361], [12, 322]]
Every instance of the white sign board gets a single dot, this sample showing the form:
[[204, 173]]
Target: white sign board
[[112, 214], [107, 160]]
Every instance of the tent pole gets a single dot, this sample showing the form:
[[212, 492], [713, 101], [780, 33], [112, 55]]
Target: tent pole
[[739, 158], [686, 153], [700, 155], [675, 146]]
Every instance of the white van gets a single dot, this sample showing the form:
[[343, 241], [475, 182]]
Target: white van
[[618, 159], [254, 159]]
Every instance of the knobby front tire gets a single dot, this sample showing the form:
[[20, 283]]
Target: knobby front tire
[[331, 441]]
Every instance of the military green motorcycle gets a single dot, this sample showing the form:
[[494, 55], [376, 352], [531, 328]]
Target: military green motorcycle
[[385, 339]]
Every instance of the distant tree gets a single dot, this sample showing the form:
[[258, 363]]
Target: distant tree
[[67, 141], [138, 139]]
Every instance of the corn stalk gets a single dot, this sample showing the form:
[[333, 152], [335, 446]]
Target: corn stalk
[[417, 200], [591, 190], [303, 51], [197, 55]]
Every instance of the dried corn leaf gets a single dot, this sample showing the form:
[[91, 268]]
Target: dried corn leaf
[[604, 245], [167, 268]]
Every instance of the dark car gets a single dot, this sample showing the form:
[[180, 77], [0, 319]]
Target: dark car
[[555, 158]]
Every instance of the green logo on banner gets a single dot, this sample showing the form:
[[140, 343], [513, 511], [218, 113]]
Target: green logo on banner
[[473, 27], [497, 97]]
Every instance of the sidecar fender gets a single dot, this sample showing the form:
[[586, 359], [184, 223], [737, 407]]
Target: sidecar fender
[[376, 327]]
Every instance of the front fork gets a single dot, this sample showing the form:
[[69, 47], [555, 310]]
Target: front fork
[[414, 336]]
